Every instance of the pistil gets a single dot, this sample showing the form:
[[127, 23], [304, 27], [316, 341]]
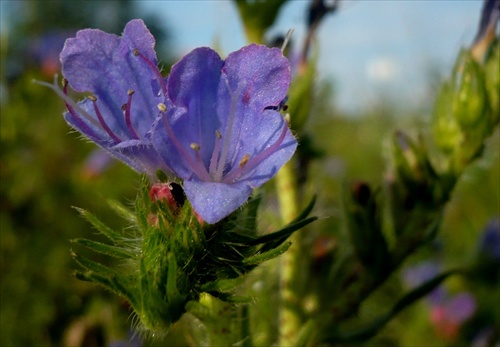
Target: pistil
[[215, 154], [227, 139]]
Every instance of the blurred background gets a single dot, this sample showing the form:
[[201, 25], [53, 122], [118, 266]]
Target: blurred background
[[380, 64]]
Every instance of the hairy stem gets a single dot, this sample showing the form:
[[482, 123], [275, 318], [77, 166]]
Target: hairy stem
[[290, 317]]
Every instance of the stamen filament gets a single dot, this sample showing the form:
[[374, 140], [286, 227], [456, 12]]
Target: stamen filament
[[128, 120], [251, 163], [215, 153], [196, 147], [154, 68], [197, 167], [101, 120], [227, 139], [71, 106], [68, 100]]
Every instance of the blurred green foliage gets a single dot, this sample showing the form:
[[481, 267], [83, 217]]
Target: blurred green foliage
[[44, 172]]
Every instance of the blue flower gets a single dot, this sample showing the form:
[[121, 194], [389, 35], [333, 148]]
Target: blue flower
[[125, 87], [213, 123], [220, 130]]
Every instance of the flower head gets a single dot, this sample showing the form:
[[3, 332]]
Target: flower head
[[213, 123], [125, 87], [220, 130]]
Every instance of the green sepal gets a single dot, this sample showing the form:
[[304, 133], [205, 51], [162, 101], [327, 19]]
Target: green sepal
[[276, 238], [93, 266], [231, 298], [222, 285], [173, 259], [371, 329], [102, 248], [100, 226], [268, 255], [113, 282], [122, 211]]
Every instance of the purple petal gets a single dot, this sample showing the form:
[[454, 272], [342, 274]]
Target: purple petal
[[262, 74], [140, 156], [105, 65], [214, 201], [253, 78], [256, 138], [192, 88], [217, 133]]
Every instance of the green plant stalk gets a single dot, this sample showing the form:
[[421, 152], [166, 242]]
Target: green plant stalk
[[290, 318]]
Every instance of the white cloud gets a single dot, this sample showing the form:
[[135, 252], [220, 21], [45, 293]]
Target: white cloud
[[382, 69]]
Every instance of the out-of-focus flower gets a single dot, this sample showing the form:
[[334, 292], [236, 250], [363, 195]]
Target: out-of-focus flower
[[126, 86], [490, 16], [97, 162], [489, 244], [448, 312], [43, 51], [421, 273], [134, 340], [220, 130], [449, 315]]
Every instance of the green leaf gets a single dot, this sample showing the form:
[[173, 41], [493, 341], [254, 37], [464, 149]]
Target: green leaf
[[103, 228], [231, 298], [275, 239], [374, 327], [262, 257], [223, 285], [122, 211], [112, 283], [112, 251], [92, 265]]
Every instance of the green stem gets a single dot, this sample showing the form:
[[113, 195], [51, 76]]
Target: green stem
[[290, 317]]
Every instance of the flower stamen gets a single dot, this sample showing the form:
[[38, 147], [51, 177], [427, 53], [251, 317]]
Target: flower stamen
[[196, 147], [71, 105], [227, 140], [127, 108], [101, 119], [250, 163], [244, 160], [215, 154], [197, 166], [154, 68]]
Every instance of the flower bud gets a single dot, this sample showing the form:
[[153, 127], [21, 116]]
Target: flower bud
[[470, 99], [171, 192]]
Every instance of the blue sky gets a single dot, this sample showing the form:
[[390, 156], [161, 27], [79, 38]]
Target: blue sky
[[368, 48]]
